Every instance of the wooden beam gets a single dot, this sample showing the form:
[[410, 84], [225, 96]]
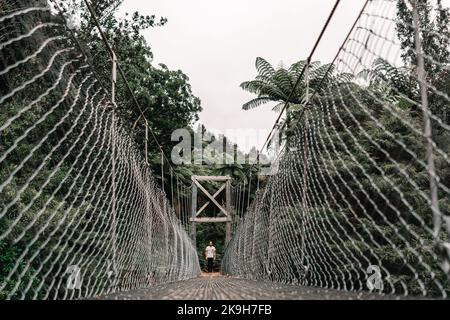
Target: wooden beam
[[210, 219], [211, 178]]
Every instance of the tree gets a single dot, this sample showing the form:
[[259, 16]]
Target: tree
[[388, 81], [276, 84], [165, 96], [434, 30], [279, 85]]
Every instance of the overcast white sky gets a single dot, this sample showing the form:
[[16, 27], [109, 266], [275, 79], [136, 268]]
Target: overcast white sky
[[216, 42]]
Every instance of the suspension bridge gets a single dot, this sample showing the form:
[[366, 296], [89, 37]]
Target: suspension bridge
[[357, 205]]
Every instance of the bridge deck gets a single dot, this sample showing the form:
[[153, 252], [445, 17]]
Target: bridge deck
[[217, 287]]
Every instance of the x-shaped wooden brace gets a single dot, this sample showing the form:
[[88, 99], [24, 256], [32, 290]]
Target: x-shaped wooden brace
[[211, 197]]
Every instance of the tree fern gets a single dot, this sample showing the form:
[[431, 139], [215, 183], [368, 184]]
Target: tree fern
[[255, 103]]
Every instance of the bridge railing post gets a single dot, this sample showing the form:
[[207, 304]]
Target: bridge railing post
[[438, 218], [427, 130], [228, 206], [193, 215], [113, 160]]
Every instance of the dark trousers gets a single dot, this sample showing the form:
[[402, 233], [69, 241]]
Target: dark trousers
[[210, 264]]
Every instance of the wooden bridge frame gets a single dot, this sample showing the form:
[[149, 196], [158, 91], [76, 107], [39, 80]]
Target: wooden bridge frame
[[227, 210]]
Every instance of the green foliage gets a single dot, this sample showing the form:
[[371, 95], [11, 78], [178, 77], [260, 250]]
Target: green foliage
[[165, 96], [433, 32], [434, 29], [276, 84]]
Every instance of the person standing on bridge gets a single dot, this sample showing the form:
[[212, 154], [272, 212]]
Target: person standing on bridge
[[210, 255]]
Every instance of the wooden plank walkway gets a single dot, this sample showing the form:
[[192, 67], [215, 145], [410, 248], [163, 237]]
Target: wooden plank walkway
[[217, 287]]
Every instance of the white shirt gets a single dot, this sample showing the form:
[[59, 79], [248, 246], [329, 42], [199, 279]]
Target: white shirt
[[210, 251]]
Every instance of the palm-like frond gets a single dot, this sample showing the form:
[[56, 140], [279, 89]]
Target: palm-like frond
[[264, 68], [343, 77], [256, 102], [277, 84], [386, 78], [321, 76], [278, 107], [323, 71], [253, 86], [263, 89], [283, 80], [297, 67]]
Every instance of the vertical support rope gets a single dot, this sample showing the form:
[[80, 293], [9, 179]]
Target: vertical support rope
[[177, 206], [146, 141], [427, 130], [228, 208], [305, 180], [308, 63], [193, 230], [113, 130], [162, 170], [258, 170], [171, 185], [249, 187]]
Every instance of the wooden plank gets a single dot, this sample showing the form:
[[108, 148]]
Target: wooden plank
[[210, 219], [210, 197], [214, 196], [211, 178]]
